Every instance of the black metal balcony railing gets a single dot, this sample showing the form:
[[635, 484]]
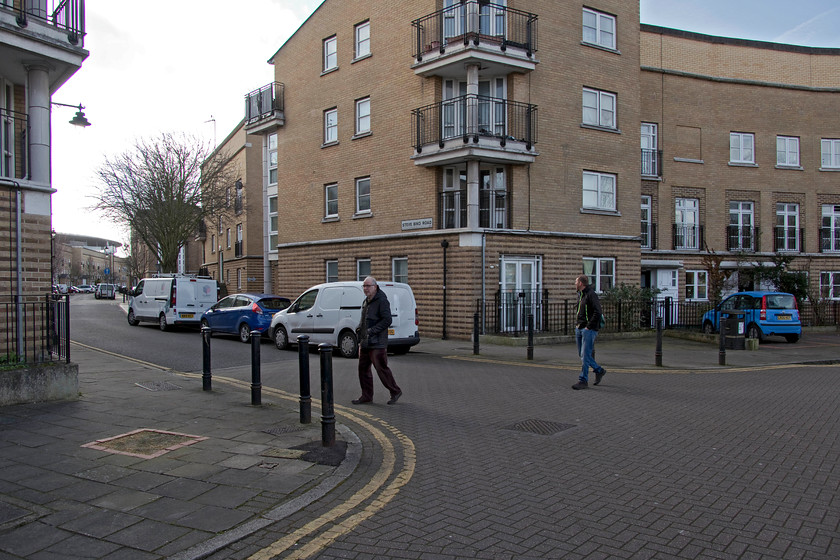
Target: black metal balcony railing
[[688, 237], [493, 118], [743, 238], [493, 209], [14, 144], [789, 239], [264, 102], [237, 249], [68, 15], [829, 240], [476, 22], [35, 329], [648, 235], [651, 163]]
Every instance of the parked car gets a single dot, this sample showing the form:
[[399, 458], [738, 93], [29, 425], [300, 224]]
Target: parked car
[[105, 291], [242, 313], [765, 314], [85, 289], [172, 300], [330, 313]]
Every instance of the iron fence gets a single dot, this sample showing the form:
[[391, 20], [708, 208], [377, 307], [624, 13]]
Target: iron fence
[[264, 102], [35, 330], [68, 15]]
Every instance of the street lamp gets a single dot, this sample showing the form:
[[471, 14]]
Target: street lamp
[[80, 119]]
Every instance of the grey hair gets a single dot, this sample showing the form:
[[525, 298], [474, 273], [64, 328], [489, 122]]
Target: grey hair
[[372, 279]]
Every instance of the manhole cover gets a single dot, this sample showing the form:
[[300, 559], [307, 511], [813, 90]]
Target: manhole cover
[[146, 444], [540, 427], [158, 386], [280, 430]]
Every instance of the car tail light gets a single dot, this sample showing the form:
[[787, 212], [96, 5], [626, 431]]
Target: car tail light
[[172, 297], [256, 309], [416, 318], [763, 308]]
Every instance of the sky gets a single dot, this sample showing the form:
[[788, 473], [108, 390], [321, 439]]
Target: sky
[[186, 66]]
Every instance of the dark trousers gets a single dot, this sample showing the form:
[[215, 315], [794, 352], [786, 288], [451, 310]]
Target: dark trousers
[[378, 357]]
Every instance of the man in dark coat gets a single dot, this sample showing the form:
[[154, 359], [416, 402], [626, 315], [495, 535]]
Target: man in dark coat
[[588, 324]]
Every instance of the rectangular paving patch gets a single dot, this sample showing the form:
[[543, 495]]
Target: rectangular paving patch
[[144, 443]]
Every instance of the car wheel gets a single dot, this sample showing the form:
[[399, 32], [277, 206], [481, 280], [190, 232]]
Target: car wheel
[[162, 322], [753, 331], [132, 320], [281, 339], [244, 333], [708, 327], [347, 344], [792, 338], [204, 323]]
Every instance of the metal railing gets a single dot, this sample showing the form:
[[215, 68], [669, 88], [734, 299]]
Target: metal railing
[[476, 22], [789, 239], [474, 116], [493, 209], [648, 235], [829, 240], [651, 163], [688, 237], [14, 144], [264, 102], [35, 329], [743, 238], [68, 15]]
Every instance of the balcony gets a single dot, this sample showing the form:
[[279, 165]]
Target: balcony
[[651, 163], [474, 127], [829, 240], [688, 237], [14, 144], [742, 238], [789, 239], [493, 209], [65, 16], [648, 235], [500, 39], [264, 109]]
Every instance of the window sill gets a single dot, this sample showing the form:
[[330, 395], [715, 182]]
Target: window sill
[[790, 167], [600, 47], [328, 219], [651, 177], [365, 214], [329, 144], [829, 169], [742, 164], [602, 128], [688, 160], [329, 71], [600, 211], [363, 57], [362, 135]]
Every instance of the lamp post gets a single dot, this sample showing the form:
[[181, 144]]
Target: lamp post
[[80, 119]]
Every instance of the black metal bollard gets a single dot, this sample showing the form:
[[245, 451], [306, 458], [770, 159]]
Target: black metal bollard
[[530, 336], [305, 397], [327, 410], [659, 341], [722, 347], [475, 334], [256, 384], [206, 375]]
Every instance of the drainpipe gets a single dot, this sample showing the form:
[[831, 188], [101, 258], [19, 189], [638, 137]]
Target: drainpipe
[[483, 278], [444, 244]]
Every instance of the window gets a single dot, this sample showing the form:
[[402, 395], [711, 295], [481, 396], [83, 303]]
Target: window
[[363, 39], [331, 201], [830, 153], [227, 237], [830, 285], [696, 285], [741, 147], [239, 248], [601, 273], [599, 108], [646, 225], [272, 223], [330, 53], [399, 269], [213, 243], [272, 159], [598, 28], [332, 271], [787, 227], [740, 233], [238, 278], [787, 151], [227, 197], [686, 223], [362, 269], [830, 231], [598, 190], [363, 116], [363, 195], [330, 126], [650, 150]]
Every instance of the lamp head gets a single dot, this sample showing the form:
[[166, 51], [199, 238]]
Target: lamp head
[[80, 119]]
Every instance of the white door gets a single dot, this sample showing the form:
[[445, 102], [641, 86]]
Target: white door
[[667, 280], [520, 293]]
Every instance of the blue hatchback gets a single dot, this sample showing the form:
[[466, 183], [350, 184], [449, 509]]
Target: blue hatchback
[[242, 313], [765, 314]]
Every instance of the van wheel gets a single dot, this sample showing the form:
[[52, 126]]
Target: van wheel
[[162, 322], [753, 331], [708, 327], [281, 339], [244, 333], [132, 320], [347, 345], [792, 338], [400, 349]]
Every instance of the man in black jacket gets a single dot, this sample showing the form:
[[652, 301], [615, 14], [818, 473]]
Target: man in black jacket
[[588, 324], [373, 343]]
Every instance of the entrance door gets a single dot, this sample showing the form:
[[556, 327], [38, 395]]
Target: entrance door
[[667, 280], [520, 293]]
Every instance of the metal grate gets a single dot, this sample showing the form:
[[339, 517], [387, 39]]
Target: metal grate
[[540, 427], [158, 386], [280, 430]]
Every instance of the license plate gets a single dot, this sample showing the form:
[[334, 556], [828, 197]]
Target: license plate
[[187, 315], [783, 317], [391, 332]]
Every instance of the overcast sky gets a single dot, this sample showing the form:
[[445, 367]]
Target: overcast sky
[[174, 65]]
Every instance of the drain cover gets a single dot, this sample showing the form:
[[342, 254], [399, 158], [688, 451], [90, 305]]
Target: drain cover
[[280, 430], [540, 427], [143, 443], [158, 386]]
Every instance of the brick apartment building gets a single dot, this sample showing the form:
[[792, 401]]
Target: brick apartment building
[[520, 142]]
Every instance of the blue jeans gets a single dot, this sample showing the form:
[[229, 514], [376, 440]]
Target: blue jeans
[[585, 339]]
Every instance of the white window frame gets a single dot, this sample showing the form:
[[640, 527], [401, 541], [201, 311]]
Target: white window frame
[[227, 237], [363, 202], [362, 39], [596, 31], [600, 186], [212, 243], [331, 270], [331, 126], [742, 217], [742, 148], [600, 108], [363, 116], [646, 216], [829, 284], [696, 285], [650, 147], [273, 223], [830, 153], [787, 151], [238, 278], [787, 218], [330, 53], [601, 272], [830, 220], [272, 159], [362, 269], [399, 269], [331, 199], [687, 215]]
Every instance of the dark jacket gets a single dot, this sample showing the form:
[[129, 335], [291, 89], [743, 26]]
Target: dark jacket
[[589, 310], [375, 320]]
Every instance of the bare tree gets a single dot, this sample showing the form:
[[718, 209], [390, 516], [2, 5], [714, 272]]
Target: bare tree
[[162, 188]]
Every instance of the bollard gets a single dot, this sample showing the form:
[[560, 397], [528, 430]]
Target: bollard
[[327, 410], [305, 397], [256, 385], [530, 336], [206, 375], [722, 347], [475, 334], [659, 341]]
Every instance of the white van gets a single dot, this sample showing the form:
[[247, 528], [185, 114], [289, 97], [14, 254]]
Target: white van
[[174, 300], [330, 313]]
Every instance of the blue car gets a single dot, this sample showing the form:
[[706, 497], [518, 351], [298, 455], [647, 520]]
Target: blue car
[[242, 313], [765, 314]]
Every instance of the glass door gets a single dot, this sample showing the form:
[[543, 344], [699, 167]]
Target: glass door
[[520, 293]]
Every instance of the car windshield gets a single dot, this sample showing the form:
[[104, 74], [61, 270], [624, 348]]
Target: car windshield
[[781, 301], [274, 303]]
